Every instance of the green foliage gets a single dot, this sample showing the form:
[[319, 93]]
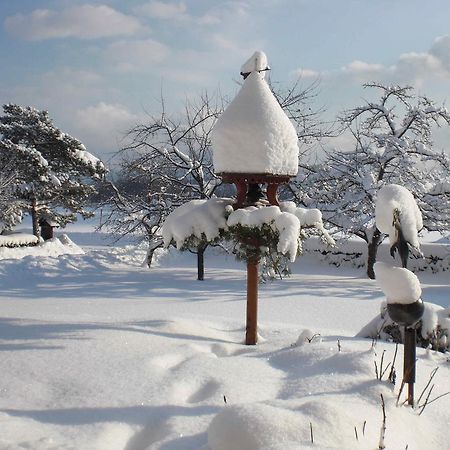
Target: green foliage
[[253, 243]]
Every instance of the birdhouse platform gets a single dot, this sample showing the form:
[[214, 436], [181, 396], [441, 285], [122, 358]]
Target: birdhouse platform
[[245, 181]]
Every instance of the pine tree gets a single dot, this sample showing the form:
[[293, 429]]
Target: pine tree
[[53, 173]]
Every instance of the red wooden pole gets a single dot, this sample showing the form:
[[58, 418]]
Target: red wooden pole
[[251, 335]]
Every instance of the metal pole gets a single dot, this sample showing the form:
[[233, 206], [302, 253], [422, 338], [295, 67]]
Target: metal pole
[[409, 363], [251, 335]]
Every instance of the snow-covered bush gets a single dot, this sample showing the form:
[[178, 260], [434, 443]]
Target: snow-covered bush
[[265, 230], [270, 233], [196, 222], [31, 246], [433, 330]]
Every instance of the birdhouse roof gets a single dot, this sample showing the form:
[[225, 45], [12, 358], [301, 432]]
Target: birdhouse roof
[[254, 135]]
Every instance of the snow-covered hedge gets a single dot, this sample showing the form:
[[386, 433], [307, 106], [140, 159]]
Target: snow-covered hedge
[[353, 253], [12, 240]]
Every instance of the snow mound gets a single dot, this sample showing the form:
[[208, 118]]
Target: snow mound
[[306, 337], [277, 426], [254, 135], [195, 218], [399, 285], [53, 247], [392, 197], [252, 427]]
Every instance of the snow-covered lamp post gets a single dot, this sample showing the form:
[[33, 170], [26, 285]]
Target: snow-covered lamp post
[[255, 145], [405, 306], [398, 215]]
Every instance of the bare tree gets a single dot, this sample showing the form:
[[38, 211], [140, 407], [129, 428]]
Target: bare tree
[[171, 157], [297, 102]]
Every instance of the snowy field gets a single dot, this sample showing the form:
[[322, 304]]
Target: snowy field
[[99, 353]]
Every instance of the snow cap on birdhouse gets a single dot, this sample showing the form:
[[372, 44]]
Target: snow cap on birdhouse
[[257, 62], [253, 134]]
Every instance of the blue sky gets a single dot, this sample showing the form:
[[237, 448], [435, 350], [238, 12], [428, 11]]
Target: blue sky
[[97, 66]]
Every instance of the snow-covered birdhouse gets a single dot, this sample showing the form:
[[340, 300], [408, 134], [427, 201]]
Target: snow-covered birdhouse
[[47, 226], [254, 142]]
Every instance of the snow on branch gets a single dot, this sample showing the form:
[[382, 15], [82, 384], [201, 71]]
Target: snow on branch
[[309, 218], [202, 219], [396, 201], [257, 230]]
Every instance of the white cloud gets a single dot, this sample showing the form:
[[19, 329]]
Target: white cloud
[[230, 14], [306, 73], [357, 66], [163, 10], [413, 68], [441, 50], [216, 36], [137, 54], [222, 13], [62, 88], [67, 94], [83, 22], [102, 126]]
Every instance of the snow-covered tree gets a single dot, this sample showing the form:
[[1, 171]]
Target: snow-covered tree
[[10, 206], [392, 144], [53, 172]]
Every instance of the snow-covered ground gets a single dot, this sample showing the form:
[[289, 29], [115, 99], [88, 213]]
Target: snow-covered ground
[[99, 353]]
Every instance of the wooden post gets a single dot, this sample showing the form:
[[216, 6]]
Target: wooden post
[[241, 192], [251, 335], [409, 362], [272, 189]]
